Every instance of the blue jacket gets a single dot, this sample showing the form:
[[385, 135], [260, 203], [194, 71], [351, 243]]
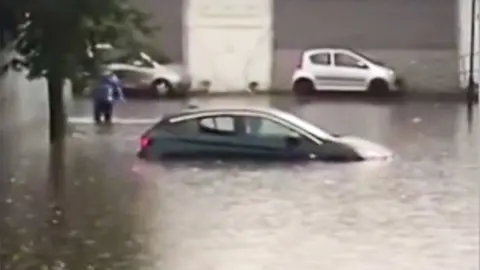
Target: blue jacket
[[109, 89]]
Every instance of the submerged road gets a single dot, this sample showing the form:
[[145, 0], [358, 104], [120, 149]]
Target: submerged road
[[94, 206]]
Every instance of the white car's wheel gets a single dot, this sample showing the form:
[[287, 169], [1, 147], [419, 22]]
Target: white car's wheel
[[162, 87], [378, 86], [303, 87]]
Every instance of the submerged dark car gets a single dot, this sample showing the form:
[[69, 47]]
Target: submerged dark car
[[250, 133]]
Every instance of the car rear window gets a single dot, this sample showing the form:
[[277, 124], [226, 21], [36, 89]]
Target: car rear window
[[158, 126], [323, 58]]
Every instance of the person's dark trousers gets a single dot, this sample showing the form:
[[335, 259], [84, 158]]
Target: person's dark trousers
[[102, 109]]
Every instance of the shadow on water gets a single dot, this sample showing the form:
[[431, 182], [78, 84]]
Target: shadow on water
[[471, 115], [57, 173], [57, 223]]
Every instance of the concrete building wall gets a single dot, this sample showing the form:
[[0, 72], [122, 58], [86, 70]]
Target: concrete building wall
[[417, 37], [228, 44], [464, 37]]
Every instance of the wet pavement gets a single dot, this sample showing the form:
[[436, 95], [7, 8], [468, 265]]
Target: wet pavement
[[94, 206]]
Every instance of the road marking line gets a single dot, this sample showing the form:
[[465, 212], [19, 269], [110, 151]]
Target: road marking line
[[123, 121]]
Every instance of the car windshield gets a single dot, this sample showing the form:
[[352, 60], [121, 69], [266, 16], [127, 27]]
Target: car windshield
[[310, 128], [146, 58], [368, 58]]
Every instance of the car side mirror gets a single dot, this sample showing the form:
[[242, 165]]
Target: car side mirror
[[292, 142], [137, 63]]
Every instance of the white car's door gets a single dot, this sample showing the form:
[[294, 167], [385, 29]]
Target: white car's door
[[320, 66], [350, 71], [132, 77], [124, 73]]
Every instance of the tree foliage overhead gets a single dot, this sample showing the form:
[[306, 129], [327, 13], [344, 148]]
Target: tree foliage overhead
[[57, 36], [10, 18]]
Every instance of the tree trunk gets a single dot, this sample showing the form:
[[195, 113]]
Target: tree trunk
[[78, 86], [56, 107], [3, 40]]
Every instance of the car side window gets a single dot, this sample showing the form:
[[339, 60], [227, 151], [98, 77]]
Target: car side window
[[131, 76], [321, 59], [187, 127], [138, 61], [345, 60], [221, 125], [121, 73], [263, 127]]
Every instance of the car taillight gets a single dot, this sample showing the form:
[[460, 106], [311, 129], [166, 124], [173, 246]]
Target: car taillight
[[144, 142]]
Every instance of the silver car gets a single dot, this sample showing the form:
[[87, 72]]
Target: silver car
[[143, 75], [339, 69]]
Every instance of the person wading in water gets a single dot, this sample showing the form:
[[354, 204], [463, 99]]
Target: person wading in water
[[107, 92]]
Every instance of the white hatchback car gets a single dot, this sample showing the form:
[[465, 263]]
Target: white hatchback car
[[342, 70]]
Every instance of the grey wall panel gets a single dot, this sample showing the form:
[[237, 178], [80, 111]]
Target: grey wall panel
[[167, 14], [369, 24]]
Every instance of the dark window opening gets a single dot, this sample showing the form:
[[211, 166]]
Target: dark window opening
[[321, 59]]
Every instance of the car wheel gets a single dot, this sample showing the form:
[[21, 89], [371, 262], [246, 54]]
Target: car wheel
[[162, 87], [378, 86], [303, 87]]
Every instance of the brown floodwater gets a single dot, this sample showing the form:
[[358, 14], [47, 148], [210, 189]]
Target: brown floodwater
[[93, 205]]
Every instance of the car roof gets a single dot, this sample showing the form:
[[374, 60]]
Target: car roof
[[194, 109], [104, 46], [330, 48]]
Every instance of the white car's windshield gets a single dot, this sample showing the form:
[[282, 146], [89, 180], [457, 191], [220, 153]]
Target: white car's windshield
[[374, 61], [314, 130], [147, 58]]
